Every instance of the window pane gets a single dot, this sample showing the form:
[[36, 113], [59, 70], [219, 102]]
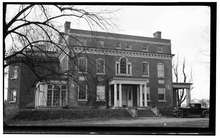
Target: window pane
[[100, 66], [82, 64], [145, 67], [82, 92], [100, 93], [56, 96], [123, 66], [161, 96], [129, 69], [49, 97]]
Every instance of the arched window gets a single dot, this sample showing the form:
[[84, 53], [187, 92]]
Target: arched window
[[123, 66]]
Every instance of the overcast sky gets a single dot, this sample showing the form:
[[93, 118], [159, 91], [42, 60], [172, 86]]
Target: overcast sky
[[188, 27]]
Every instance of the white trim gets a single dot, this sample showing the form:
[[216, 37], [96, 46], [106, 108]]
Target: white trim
[[98, 73], [121, 80], [119, 67], [86, 93], [123, 53], [121, 39]]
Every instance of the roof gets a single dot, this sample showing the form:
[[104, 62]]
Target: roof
[[116, 35]]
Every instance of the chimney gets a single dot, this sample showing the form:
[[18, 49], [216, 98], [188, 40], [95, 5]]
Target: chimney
[[66, 26], [157, 34]]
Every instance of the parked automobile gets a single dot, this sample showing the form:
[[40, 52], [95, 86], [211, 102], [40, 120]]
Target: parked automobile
[[194, 109]]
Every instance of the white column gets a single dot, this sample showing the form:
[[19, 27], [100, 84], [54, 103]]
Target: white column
[[120, 96], [141, 98], [115, 95], [188, 96], [145, 95]]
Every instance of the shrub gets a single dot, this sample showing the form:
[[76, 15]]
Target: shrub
[[50, 114]]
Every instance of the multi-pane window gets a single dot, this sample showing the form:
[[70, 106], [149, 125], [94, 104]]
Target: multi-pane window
[[56, 95], [49, 95], [160, 70], [161, 94], [13, 95], [145, 68], [14, 73], [100, 93], [123, 66], [63, 95], [82, 64], [100, 66], [82, 92]]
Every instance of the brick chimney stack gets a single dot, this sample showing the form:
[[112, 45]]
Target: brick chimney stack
[[157, 35], [66, 26]]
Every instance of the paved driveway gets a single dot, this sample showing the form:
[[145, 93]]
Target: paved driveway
[[137, 122]]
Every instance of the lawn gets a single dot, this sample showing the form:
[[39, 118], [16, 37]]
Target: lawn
[[137, 122]]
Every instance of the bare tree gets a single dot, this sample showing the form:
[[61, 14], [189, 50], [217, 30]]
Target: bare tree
[[34, 28], [181, 94]]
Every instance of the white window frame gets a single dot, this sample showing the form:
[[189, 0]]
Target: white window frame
[[158, 70], [119, 70], [161, 91], [148, 73], [78, 64], [86, 93], [97, 99], [100, 73]]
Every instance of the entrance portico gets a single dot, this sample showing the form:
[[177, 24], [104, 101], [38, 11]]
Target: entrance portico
[[128, 92]]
